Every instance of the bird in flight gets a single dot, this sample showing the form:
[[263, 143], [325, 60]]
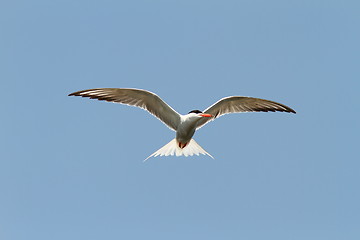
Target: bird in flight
[[184, 125]]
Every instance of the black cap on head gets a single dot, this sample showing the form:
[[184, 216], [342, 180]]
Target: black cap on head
[[195, 111]]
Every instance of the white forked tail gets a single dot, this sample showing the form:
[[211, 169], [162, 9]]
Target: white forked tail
[[172, 149]]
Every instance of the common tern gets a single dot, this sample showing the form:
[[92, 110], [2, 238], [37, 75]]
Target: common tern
[[184, 125]]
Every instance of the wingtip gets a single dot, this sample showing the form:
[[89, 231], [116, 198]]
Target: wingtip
[[78, 93], [75, 93], [290, 110]]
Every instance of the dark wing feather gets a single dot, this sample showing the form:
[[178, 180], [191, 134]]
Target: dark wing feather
[[240, 104], [135, 97]]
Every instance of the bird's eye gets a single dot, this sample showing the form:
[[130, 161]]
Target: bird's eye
[[195, 111]]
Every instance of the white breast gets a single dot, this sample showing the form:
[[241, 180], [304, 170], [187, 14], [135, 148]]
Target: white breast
[[187, 127]]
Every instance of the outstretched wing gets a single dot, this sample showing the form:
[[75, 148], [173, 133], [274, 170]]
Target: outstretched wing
[[135, 97], [239, 104]]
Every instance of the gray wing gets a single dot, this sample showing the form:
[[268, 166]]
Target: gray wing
[[135, 97], [242, 104]]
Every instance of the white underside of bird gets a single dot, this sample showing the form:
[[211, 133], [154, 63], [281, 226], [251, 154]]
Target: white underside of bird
[[184, 125]]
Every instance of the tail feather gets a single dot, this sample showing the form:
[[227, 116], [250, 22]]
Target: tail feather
[[172, 149]]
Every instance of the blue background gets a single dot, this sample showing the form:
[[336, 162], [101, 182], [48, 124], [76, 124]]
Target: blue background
[[72, 168]]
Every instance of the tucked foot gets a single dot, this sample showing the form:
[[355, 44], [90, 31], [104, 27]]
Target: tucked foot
[[182, 145]]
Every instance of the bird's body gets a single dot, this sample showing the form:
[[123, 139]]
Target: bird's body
[[186, 128], [184, 125]]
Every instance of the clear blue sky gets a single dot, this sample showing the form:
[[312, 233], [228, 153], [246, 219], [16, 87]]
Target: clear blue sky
[[72, 168]]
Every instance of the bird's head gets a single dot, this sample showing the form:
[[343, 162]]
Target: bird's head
[[199, 114]]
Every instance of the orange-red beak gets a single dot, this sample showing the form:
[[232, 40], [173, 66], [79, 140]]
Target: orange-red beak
[[206, 115]]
